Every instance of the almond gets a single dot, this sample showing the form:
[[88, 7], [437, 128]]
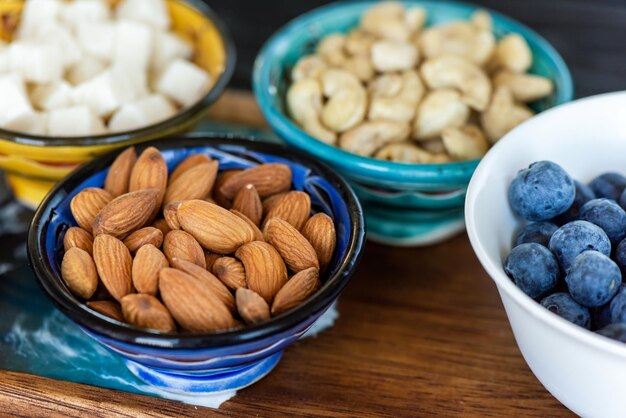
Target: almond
[[218, 196], [270, 201], [107, 308], [148, 261], [126, 213], [212, 282], [319, 230], [79, 238], [294, 207], [297, 252], [170, 214], [191, 303], [187, 163], [117, 179], [180, 244], [145, 311], [248, 202], [214, 227], [268, 179], [230, 271], [162, 226], [258, 235], [210, 259], [297, 290], [150, 172], [114, 265], [252, 307], [86, 205], [143, 236], [265, 270], [79, 272], [195, 183]]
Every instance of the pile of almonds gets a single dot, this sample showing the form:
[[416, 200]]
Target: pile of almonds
[[195, 250]]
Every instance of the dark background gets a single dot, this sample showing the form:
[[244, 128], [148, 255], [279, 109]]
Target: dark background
[[589, 34]]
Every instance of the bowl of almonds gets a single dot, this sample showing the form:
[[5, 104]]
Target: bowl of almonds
[[403, 99], [199, 256]]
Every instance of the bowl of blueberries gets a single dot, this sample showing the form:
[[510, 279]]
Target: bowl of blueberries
[[546, 217]]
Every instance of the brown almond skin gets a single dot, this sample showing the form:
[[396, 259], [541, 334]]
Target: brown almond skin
[[143, 236], [212, 282], [117, 179], [162, 226], [79, 238], [218, 197], [270, 201], [252, 308], [294, 207], [319, 230], [86, 205], [297, 252], [79, 272], [114, 265], [126, 213], [248, 202], [297, 290], [214, 227], [258, 235], [107, 308], [187, 163], [265, 270], [268, 179], [195, 183], [180, 244], [170, 214], [150, 172], [147, 263], [230, 271], [145, 311], [191, 303], [210, 259]]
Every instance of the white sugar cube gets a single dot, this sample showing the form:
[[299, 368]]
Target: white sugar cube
[[37, 13], [147, 111], [52, 96], [16, 113], [5, 63], [96, 38], [167, 48], [87, 68], [80, 11], [105, 92], [74, 121], [62, 39], [39, 125], [150, 12], [132, 45], [183, 82], [37, 62]]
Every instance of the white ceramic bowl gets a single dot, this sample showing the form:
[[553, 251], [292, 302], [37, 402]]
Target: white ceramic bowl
[[584, 371]]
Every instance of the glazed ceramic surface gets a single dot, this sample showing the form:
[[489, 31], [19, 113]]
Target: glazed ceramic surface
[[405, 204], [34, 163], [581, 369]]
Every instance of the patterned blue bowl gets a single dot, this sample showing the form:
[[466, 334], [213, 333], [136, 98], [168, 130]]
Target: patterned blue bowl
[[202, 363], [405, 204]]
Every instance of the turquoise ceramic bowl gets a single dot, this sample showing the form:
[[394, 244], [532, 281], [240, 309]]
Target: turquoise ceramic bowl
[[405, 204]]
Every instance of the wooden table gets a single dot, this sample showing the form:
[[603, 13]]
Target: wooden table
[[421, 331]]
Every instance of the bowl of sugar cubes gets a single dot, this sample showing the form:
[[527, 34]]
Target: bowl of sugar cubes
[[81, 77]]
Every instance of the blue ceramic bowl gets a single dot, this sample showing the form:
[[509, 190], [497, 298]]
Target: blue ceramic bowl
[[202, 363], [405, 204]]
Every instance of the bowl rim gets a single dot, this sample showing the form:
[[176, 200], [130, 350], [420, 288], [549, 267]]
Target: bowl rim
[[367, 166], [119, 331], [180, 118], [494, 269]]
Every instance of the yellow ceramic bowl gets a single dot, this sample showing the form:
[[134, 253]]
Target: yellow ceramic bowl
[[33, 163]]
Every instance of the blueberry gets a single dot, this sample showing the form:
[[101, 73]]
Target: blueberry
[[622, 199], [575, 237], [564, 306], [533, 268], [620, 255], [617, 306], [593, 279], [541, 192], [539, 232], [608, 215], [608, 185], [614, 331], [583, 195]]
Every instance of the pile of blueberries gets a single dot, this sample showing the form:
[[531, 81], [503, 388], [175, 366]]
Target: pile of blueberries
[[572, 254]]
